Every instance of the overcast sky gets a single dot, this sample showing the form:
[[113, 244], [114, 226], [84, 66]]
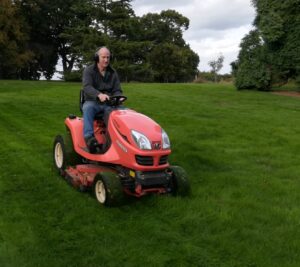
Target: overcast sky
[[216, 26]]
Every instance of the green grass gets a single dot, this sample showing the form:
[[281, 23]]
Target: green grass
[[290, 86], [240, 149]]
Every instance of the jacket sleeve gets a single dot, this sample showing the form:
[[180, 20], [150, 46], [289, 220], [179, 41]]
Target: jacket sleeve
[[87, 81], [116, 90]]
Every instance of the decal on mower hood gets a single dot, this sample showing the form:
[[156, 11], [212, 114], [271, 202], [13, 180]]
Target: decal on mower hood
[[121, 146]]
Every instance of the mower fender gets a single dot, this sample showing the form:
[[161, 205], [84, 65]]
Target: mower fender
[[75, 126]]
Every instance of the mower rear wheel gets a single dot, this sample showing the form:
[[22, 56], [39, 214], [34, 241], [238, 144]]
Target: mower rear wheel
[[72, 158], [180, 185], [64, 154], [108, 189]]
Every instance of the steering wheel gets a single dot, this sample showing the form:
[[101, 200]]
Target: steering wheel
[[116, 100]]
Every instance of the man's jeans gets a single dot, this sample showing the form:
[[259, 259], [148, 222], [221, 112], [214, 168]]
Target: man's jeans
[[90, 109]]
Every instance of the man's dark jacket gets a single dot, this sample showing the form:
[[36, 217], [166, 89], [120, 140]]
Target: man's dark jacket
[[94, 83]]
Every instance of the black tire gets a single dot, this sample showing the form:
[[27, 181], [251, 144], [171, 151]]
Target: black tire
[[108, 189], [180, 185], [59, 154], [72, 158], [64, 154]]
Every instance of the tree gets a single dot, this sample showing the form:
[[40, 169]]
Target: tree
[[73, 32], [46, 30], [168, 26], [216, 65], [14, 53], [54, 29], [122, 31], [170, 58], [190, 69], [279, 24], [276, 48], [40, 40], [252, 70]]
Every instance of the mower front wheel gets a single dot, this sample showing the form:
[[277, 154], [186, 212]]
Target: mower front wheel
[[180, 185], [108, 189]]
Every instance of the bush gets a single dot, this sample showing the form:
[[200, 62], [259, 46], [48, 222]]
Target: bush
[[73, 76], [253, 75], [204, 77]]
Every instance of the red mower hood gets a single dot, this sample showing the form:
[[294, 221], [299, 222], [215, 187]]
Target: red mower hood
[[127, 120]]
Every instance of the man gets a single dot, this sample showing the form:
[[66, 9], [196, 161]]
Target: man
[[100, 81]]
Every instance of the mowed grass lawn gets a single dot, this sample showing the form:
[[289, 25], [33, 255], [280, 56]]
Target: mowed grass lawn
[[240, 149]]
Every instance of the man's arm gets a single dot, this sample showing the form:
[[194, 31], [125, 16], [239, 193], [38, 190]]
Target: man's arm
[[116, 90], [87, 81]]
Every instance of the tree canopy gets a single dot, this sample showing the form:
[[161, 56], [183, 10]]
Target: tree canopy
[[270, 54], [14, 52], [35, 34]]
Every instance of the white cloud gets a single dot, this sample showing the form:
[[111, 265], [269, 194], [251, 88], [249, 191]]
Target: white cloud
[[212, 43], [216, 26], [148, 6]]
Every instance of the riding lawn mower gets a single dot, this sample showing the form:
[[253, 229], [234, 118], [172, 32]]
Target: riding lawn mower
[[133, 161]]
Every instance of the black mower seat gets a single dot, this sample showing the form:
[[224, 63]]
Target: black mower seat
[[99, 116]]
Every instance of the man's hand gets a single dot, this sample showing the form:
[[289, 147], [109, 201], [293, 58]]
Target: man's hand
[[103, 97]]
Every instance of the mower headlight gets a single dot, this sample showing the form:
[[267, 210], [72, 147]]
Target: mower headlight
[[165, 140], [141, 140]]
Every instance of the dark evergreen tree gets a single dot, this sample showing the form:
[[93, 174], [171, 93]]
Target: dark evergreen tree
[[14, 52], [41, 42]]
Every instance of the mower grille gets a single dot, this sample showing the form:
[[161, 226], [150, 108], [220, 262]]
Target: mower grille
[[163, 160], [144, 160]]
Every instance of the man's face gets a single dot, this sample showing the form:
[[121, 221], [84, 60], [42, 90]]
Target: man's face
[[104, 57]]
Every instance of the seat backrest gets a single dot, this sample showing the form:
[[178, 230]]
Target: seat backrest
[[81, 100]]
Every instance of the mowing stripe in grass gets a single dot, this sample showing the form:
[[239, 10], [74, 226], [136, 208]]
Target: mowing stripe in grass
[[240, 150]]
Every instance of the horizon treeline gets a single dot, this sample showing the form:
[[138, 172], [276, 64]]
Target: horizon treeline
[[36, 34]]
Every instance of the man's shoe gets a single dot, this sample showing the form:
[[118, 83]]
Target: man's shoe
[[93, 145]]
